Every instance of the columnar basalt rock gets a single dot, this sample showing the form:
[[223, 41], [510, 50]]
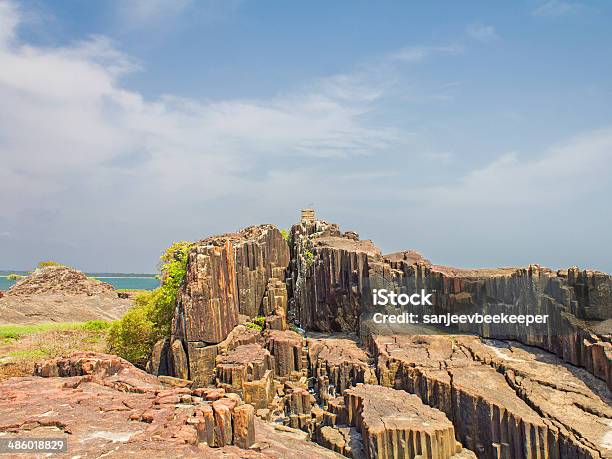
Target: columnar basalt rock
[[505, 401], [394, 424], [247, 371], [329, 271], [287, 347], [226, 275], [567, 298], [334, 274], [274, 304], [337, 363]]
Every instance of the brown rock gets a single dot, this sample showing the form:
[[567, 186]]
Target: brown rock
[[336, 363], [105, 406], [505, 400], [244, 426], [179, 360], [286, 347], [396, 424], [247, 370]]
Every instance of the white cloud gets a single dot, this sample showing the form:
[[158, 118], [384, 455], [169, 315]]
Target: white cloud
[[66, 121], [418, 53], [566, 172], [9, 18], [554, 8], [482, 32]]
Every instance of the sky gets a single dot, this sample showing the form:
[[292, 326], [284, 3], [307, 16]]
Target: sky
[[478, 133]]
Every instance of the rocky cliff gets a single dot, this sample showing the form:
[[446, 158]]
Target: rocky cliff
[[477, 390]]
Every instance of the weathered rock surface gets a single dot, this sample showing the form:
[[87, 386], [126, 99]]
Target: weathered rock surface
[[102, 404], [505, 401], [226, 275], [60, 279], [60, 294], [337, 363], [394, 424], [287, 347], [333, 276], [247, 371]]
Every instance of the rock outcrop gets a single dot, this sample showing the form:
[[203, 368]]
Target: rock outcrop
[[337, 363], [390, 392], [226, 276], [334, 275], [505, 400], [60, 294], [394, 424]]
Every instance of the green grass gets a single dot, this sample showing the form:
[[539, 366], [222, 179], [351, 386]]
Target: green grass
[[29, 354], [11, 332]]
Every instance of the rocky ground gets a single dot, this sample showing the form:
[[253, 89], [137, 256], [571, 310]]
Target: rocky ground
[[60, 294], [338, 385]]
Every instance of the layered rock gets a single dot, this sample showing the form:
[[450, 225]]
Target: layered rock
[[337, 363], [505, 401], [288, 350], [248, 371], [104, 404], [394, 424], [226, 275]]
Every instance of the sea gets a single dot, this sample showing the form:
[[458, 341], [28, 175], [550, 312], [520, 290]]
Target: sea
[[117, 280]]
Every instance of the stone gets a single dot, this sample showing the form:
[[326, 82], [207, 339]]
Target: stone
[[244, 426], [395, 424], [505, 399], [343, 440], [103, 405], [337, 363], [286, 347], [179, 360], [226, 276], [247, 370], [158, 361]]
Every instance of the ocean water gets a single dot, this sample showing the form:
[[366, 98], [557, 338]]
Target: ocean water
[[117, 280]]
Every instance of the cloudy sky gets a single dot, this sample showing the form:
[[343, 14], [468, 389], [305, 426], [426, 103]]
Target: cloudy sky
[[478, 133]]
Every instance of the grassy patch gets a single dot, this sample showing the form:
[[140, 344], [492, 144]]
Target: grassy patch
[[15, 332], [32, 343]]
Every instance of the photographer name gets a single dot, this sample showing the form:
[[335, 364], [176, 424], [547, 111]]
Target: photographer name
[[455, 319]]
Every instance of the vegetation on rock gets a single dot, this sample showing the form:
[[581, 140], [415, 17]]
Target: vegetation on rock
[[257, 323], [133, 336], [46, 263]]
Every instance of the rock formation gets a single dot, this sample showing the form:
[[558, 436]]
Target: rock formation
[[322, 371], [367, 391], [226, 276], [505, 400], [60, 294]]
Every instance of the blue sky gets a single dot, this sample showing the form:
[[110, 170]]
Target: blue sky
[[478, 133]]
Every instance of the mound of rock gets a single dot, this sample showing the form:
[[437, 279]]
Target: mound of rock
[[60, 294], [60, 279]]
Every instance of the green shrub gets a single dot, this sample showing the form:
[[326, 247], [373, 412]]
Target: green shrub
[[257, 323], [286, 236], [45, 263], [96, 325], [309, 257], [14, 277], [150, 319], [254, 326]]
